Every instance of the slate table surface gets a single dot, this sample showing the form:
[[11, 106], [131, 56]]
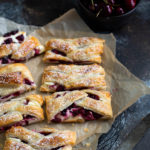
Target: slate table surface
[[131, 129]]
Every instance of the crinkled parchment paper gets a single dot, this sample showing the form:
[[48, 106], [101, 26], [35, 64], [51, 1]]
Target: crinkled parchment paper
[[124, 86]]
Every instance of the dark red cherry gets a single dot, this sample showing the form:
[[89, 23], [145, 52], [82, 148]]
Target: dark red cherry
[[10, 33], [119, 11], [8, 41], [130, 4], [94, 7], [20, 38], [111, 1], [107, 11]]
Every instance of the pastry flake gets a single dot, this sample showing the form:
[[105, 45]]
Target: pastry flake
[[70, 77], [21, 111], [80, 50], [78, 106], [16, 47], [41, 139], [14, 80]]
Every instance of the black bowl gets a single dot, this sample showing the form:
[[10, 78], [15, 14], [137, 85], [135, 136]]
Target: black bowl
[[104, 23]]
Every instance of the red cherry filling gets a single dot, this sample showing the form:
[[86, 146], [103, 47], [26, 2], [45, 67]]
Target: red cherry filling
[[73, 111], [27, 81], [37, 52], [26, 102], [57, 87], [8, 41], [5, 98], [20, 38], [10, 33], [93, 96], [58, 52], [26, 120], [8, 60]]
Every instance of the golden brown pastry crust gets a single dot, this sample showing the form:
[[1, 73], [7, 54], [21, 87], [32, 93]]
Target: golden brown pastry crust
[[27, 47], [15, 110], [73, 77], [13, 79], [35, 140], [59, 101], [82, 50], [19, 51]]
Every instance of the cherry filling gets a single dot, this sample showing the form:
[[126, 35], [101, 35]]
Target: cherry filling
[[27, 81], [10, 33], [37, 52], [8, 60], [73, 111], [58, 95], [26, 120], [5, 98], [26, 102], [20, 38], [8, 41], [93, 96], [58, 52], [57, 87]]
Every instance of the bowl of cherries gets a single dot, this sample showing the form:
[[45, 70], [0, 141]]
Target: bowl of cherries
[[107, 14]]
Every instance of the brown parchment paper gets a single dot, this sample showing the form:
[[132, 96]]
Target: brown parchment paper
[[124, 86]]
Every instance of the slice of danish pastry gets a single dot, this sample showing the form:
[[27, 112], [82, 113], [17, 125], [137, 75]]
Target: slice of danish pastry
[[21, 111], [16, 47], [14, 80], [18, 138], [78, 106], [70, 77], [79, 50]]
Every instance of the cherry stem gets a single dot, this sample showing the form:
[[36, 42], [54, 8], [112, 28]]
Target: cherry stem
[[98, 12], [92, 1], [105, 1]]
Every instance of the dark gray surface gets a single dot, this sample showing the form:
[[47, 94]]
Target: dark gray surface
[[133, 50]]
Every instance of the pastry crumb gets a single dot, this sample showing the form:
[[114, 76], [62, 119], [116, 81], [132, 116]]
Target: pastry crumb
[[88, 144], [86, 129]]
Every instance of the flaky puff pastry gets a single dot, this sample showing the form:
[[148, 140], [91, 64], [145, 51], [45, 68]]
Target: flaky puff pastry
[[14, 80], [81, 50], [21, 111], [17, 47], [78, 106], [66, 77], [41, 139]]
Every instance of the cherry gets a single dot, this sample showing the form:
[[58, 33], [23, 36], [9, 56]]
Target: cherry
[[130, 4], [119, 11], [107, 11], [111, 2], [20, 38], [10, 33], [94, 8], [8, 41]]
